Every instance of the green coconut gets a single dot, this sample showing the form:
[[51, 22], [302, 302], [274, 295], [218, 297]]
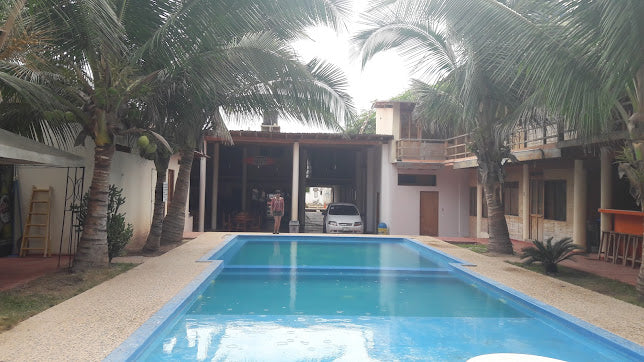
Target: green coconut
[[151, 148], [143, 142]]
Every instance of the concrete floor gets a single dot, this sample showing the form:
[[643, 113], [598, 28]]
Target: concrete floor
[[90, 325]]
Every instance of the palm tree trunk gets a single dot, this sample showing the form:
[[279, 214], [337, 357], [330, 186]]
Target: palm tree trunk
[[497, 225], [490, 153], [637, 120], [174, 221], [154, 237], [92, 247]]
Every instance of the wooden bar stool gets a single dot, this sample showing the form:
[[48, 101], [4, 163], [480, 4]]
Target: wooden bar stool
[[633, 252], [610, 249], [620, 247], [631, 243], [603, 244]]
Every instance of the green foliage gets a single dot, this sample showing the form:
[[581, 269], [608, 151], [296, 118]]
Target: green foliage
[[365, 123], [118, 233], [549, 254], [631, 166]]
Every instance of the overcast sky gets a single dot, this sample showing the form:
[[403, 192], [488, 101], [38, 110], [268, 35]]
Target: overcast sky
[[384, 77]]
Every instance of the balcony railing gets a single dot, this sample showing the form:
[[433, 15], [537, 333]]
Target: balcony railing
[[458, 147], [420, 149]]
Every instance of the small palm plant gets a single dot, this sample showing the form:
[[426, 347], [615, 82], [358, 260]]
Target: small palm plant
[[549, 254]]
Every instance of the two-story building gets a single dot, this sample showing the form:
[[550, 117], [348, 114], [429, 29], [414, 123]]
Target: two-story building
[[430, 186]]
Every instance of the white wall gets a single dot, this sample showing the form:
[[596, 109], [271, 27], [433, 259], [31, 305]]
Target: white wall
[[400, 205], [129, 171]]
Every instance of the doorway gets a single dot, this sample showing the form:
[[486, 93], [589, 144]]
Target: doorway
[[536, 209], [429, 213]]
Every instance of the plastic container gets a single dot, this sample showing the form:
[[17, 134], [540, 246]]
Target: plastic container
[[382, 229]]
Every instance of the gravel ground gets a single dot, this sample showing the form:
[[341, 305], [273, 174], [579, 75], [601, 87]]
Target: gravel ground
[[89, 326]]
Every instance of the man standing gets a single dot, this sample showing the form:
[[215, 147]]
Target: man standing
[[277, 209]]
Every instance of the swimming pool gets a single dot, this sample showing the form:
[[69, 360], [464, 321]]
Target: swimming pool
[[356, 298]]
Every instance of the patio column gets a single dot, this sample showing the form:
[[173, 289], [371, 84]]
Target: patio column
[[215, 186], [294, 224], [244, 178], [479, 208], [202, 187], [579, 205], [606, 187], [525, 209]]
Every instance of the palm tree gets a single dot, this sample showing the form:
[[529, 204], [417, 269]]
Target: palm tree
[[312, 93], [111, 52], [583, 59], [26, 76], [252, 74], [462, 96]]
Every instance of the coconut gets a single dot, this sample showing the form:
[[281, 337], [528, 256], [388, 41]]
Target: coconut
[[143, 142]]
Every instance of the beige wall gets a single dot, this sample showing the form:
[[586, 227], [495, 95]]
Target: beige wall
[[388, 123], [556, 229], [129, 171]]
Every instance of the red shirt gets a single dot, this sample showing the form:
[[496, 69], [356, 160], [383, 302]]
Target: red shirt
[[277, 204]]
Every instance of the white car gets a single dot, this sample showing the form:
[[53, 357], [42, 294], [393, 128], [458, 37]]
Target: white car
[[340, 217]]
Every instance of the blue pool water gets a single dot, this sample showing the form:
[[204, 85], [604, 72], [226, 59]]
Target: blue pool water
[[314, 298]]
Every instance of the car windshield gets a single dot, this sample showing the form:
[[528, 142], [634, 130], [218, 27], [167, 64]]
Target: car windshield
[[343, 210]]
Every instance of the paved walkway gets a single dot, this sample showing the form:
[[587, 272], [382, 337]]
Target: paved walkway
[[90, 325]]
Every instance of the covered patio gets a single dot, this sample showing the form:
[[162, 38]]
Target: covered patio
[[18, 151]]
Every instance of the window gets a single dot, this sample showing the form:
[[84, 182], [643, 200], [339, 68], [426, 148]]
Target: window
[[473, 203], [554, 200], [416, 180], [343, 210], [511, 198]]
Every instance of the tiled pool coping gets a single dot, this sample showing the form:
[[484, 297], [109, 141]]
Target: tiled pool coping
[[134, 344]]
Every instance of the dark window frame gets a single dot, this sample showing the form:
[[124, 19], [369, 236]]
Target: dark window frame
[[473, 203], [554, 200], [511, 198], [416, 180]]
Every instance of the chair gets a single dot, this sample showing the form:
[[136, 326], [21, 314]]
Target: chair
[[605, 243], [227, 223], [241, 221], [633, 250], [618, 248]]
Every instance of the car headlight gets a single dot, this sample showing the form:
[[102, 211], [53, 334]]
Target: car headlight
[[333, 223], [357, 223]]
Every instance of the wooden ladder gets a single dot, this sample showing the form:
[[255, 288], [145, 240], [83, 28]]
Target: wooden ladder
[[37, 226]]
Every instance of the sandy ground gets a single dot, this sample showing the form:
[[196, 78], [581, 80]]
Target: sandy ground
[[89, 326]]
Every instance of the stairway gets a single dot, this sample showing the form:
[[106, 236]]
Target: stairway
[[36, 235]]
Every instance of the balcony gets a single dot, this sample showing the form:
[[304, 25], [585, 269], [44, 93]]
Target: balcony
[[420, 150], [522, 140]]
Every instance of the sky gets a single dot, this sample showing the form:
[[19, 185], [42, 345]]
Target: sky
[[384, 77]]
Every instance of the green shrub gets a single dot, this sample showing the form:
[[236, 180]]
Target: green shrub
[[118, 233], [549, 254]]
